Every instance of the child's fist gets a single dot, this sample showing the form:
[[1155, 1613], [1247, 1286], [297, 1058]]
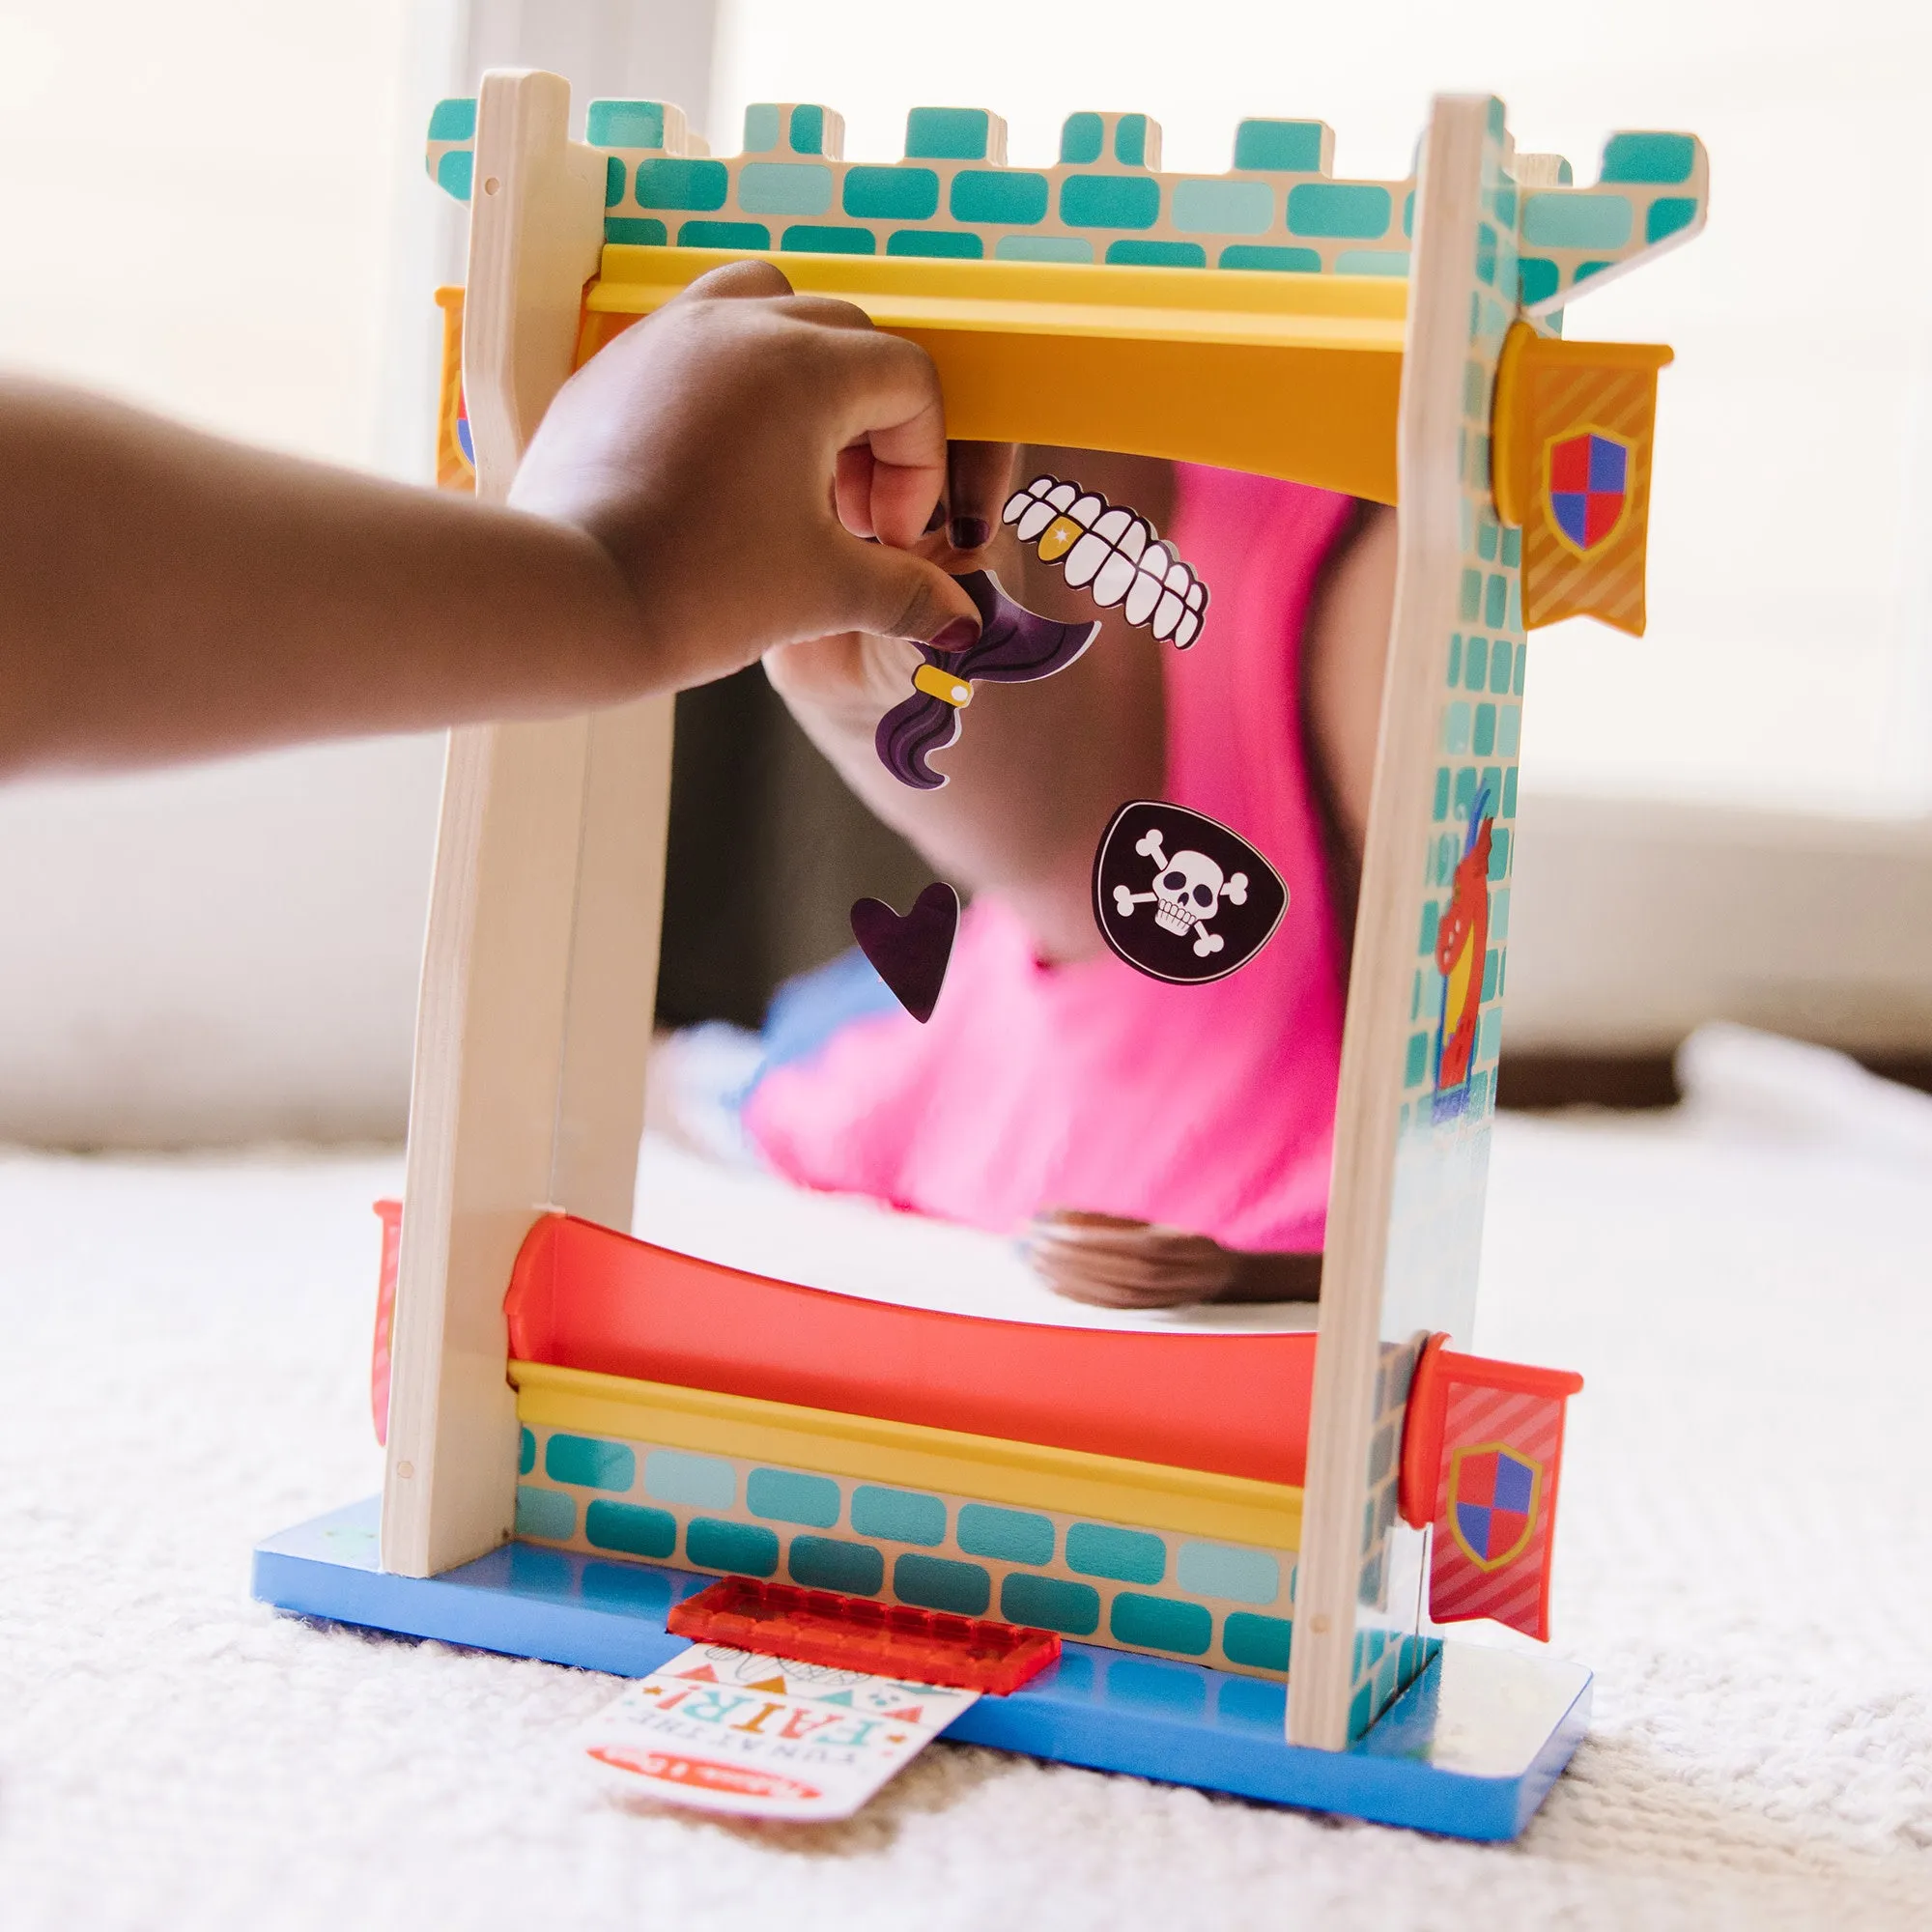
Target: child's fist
[[732, 453]]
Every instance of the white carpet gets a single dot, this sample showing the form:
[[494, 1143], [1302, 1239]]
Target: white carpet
[[1743, 1559]]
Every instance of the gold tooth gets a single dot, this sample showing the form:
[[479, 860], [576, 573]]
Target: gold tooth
[[1173, 577], [1058, 538]]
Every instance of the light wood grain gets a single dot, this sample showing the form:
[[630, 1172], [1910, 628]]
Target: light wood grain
[[1369, 1102], [540, 959], [613, 962]]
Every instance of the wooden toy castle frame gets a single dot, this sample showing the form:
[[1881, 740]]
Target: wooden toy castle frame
[[1395, 340]]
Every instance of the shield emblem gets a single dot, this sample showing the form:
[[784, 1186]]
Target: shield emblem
[[464, 441], [1493, 1492], [1586, 487]]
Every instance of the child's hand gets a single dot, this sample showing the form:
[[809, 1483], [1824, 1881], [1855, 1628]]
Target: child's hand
[[856, 675], [1109, 1261], [1040, 768], [732, 453]]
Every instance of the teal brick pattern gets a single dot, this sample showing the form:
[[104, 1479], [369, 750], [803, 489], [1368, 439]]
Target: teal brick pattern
[[1278, 211], [1074, 1609], [1133, 1589], [1394, 1370], [1479, 720], [1443, 1147], [630, 1528], [588, 1463], [780, 1496], [953, 196], [1015, 1536], [1652, 193], [676, 1476], [545, 1515], [1386, 1664]]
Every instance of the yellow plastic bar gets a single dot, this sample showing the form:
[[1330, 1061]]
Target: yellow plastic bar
[[1282, 375], [1149, 1495]]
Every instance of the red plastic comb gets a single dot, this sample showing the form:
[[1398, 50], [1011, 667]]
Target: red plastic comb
[[856, 1633]]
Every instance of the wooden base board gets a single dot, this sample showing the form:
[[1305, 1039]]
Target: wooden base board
[[1469, 1751]]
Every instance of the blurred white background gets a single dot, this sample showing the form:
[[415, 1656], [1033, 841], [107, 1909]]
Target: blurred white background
[[1792, 450], [219, 209]]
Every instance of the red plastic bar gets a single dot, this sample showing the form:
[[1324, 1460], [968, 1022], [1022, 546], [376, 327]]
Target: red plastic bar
[[583, 1297], [391, 1215], [856, 1633]]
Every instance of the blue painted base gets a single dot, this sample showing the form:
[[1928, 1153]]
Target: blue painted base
[[1470, 1750]]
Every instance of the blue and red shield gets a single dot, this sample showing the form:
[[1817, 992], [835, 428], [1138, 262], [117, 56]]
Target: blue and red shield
[[1587, 486], [1493, 1498], [464, 442]]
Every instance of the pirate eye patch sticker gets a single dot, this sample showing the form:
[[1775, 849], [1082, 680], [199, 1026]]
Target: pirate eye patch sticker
[[1180, 896]]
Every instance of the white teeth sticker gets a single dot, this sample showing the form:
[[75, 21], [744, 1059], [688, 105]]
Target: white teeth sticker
[[1118, 558], [1143, 594], [1035, 519], [1084, 559], [1110, 582]]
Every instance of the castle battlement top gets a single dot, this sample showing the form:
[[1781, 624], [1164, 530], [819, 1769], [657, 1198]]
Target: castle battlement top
[[1278, 210]]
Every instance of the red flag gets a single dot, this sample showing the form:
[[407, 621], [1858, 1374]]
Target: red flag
[[391, 1213], [1482, 1452]]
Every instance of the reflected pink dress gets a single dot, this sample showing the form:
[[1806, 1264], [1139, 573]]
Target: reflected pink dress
[[1092, 1086]]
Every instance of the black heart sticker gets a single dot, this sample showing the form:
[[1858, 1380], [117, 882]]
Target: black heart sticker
[[910, 953]]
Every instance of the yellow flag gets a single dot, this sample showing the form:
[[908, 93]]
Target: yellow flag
[[1571, 454]]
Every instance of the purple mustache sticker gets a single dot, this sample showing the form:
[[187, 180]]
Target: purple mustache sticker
[[1016, 645]]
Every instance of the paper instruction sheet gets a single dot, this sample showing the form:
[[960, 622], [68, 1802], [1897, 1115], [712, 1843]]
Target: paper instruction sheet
[[763, 1736]]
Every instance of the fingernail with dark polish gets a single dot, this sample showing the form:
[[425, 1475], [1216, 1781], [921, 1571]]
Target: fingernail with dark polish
[[969, 532], [938, 517], [958, 636]]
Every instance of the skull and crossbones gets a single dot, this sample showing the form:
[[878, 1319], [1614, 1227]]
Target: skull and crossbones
[[1187, 892]]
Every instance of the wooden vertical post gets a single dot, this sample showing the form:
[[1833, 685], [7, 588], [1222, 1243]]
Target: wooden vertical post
[[540, 959], [1363, 1305]]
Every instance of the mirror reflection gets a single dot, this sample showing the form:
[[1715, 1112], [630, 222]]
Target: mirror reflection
[[1123, 1096]]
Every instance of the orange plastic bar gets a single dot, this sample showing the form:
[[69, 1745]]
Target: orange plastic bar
[[583, 1297]]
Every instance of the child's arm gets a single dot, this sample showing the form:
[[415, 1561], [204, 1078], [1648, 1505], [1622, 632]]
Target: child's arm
[[164, 594]]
